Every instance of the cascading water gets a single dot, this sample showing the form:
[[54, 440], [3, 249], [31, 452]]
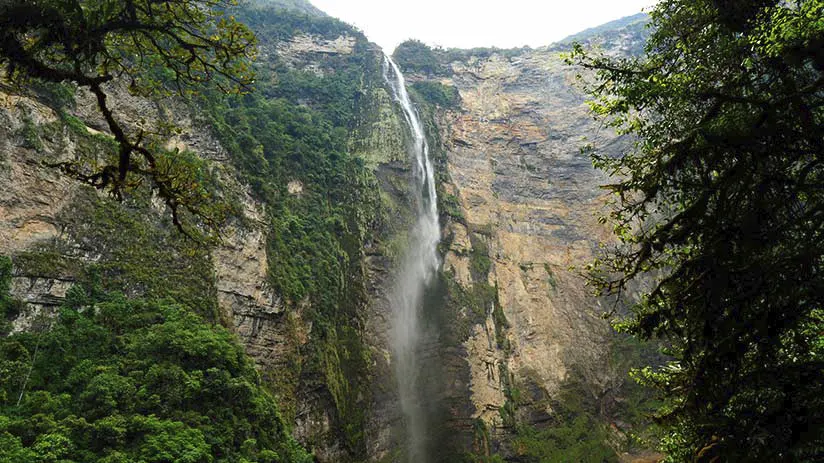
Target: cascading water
[[420, 265]]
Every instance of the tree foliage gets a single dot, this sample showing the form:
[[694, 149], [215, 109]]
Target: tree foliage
[[416, 56], [719, 210], [436, 93], [296, 128], [154, 47], [117, 380], [9, 308]]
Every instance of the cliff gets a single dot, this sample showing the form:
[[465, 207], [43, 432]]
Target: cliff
[[314, 162], [525, 345], [314, 165]]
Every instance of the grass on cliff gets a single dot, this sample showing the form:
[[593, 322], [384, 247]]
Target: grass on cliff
[[294, 126]]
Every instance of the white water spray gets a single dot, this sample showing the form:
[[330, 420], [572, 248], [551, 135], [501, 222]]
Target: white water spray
[[420, 265]]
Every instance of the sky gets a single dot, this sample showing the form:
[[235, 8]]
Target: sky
[[477, 23]]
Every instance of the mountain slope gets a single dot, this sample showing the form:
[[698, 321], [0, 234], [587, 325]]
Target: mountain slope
[[302, 157]]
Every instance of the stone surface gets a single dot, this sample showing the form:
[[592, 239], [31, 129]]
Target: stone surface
[[514, 160], [30, 196], [511, 157]]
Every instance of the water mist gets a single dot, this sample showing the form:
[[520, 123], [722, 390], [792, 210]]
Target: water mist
[[419, 266]]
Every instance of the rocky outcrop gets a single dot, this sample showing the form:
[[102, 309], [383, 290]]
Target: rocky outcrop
[[29, 196], [514, 158], [520, 209], [303, 44], [529, 201]]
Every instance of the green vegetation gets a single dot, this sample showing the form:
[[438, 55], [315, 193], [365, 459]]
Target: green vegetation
[[113, 379], [416, 56], [158, 48], [479, 262], [575, 433], [135, 251], [182, 174], [315, 234], [59, 96], [720, 208], [9, 308], [481, 297], [139, 256], [577, 436], [628, 401], [438, 94], [31, 139], [289, 22], [550, 277], [576, 429], [450, 205], [294, 127], [298, 6]]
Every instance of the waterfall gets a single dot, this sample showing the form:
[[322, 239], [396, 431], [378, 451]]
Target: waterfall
[[419, 266]]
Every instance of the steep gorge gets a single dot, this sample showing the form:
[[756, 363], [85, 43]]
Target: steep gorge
[[305, 273], [522, 340]]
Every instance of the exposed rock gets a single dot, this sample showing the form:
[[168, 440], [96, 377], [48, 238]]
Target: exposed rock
[[455, 260], [309, 43], [30, 196], [513, 156], [295, 187], [485, 361]]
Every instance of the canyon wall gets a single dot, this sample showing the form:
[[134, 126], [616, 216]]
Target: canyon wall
[[523, 203], [512, 328], [323, 353]]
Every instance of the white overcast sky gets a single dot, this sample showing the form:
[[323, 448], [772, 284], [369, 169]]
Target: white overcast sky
[[477, 23]]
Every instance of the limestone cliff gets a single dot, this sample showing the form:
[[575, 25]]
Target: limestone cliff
[[322, 353], [522, 205], [318, 169], [527, 192]]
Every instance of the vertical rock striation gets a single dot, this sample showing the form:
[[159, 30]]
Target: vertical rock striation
[[522, 207], [506, 324]]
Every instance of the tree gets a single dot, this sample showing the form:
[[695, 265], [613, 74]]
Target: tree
[[155, 46], [416, 56], [122, 380], [719, 214]]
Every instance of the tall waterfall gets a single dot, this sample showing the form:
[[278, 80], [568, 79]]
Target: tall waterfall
[[420, 265]]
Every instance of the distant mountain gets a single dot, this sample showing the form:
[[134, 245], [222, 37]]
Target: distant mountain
[[302, 6], [628, 35], [628, 22]]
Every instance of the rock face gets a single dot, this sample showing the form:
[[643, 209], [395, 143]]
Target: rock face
[[56, 229], [515, 163], [528, 200], [520, 205], [33, 198], [29, 197]]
